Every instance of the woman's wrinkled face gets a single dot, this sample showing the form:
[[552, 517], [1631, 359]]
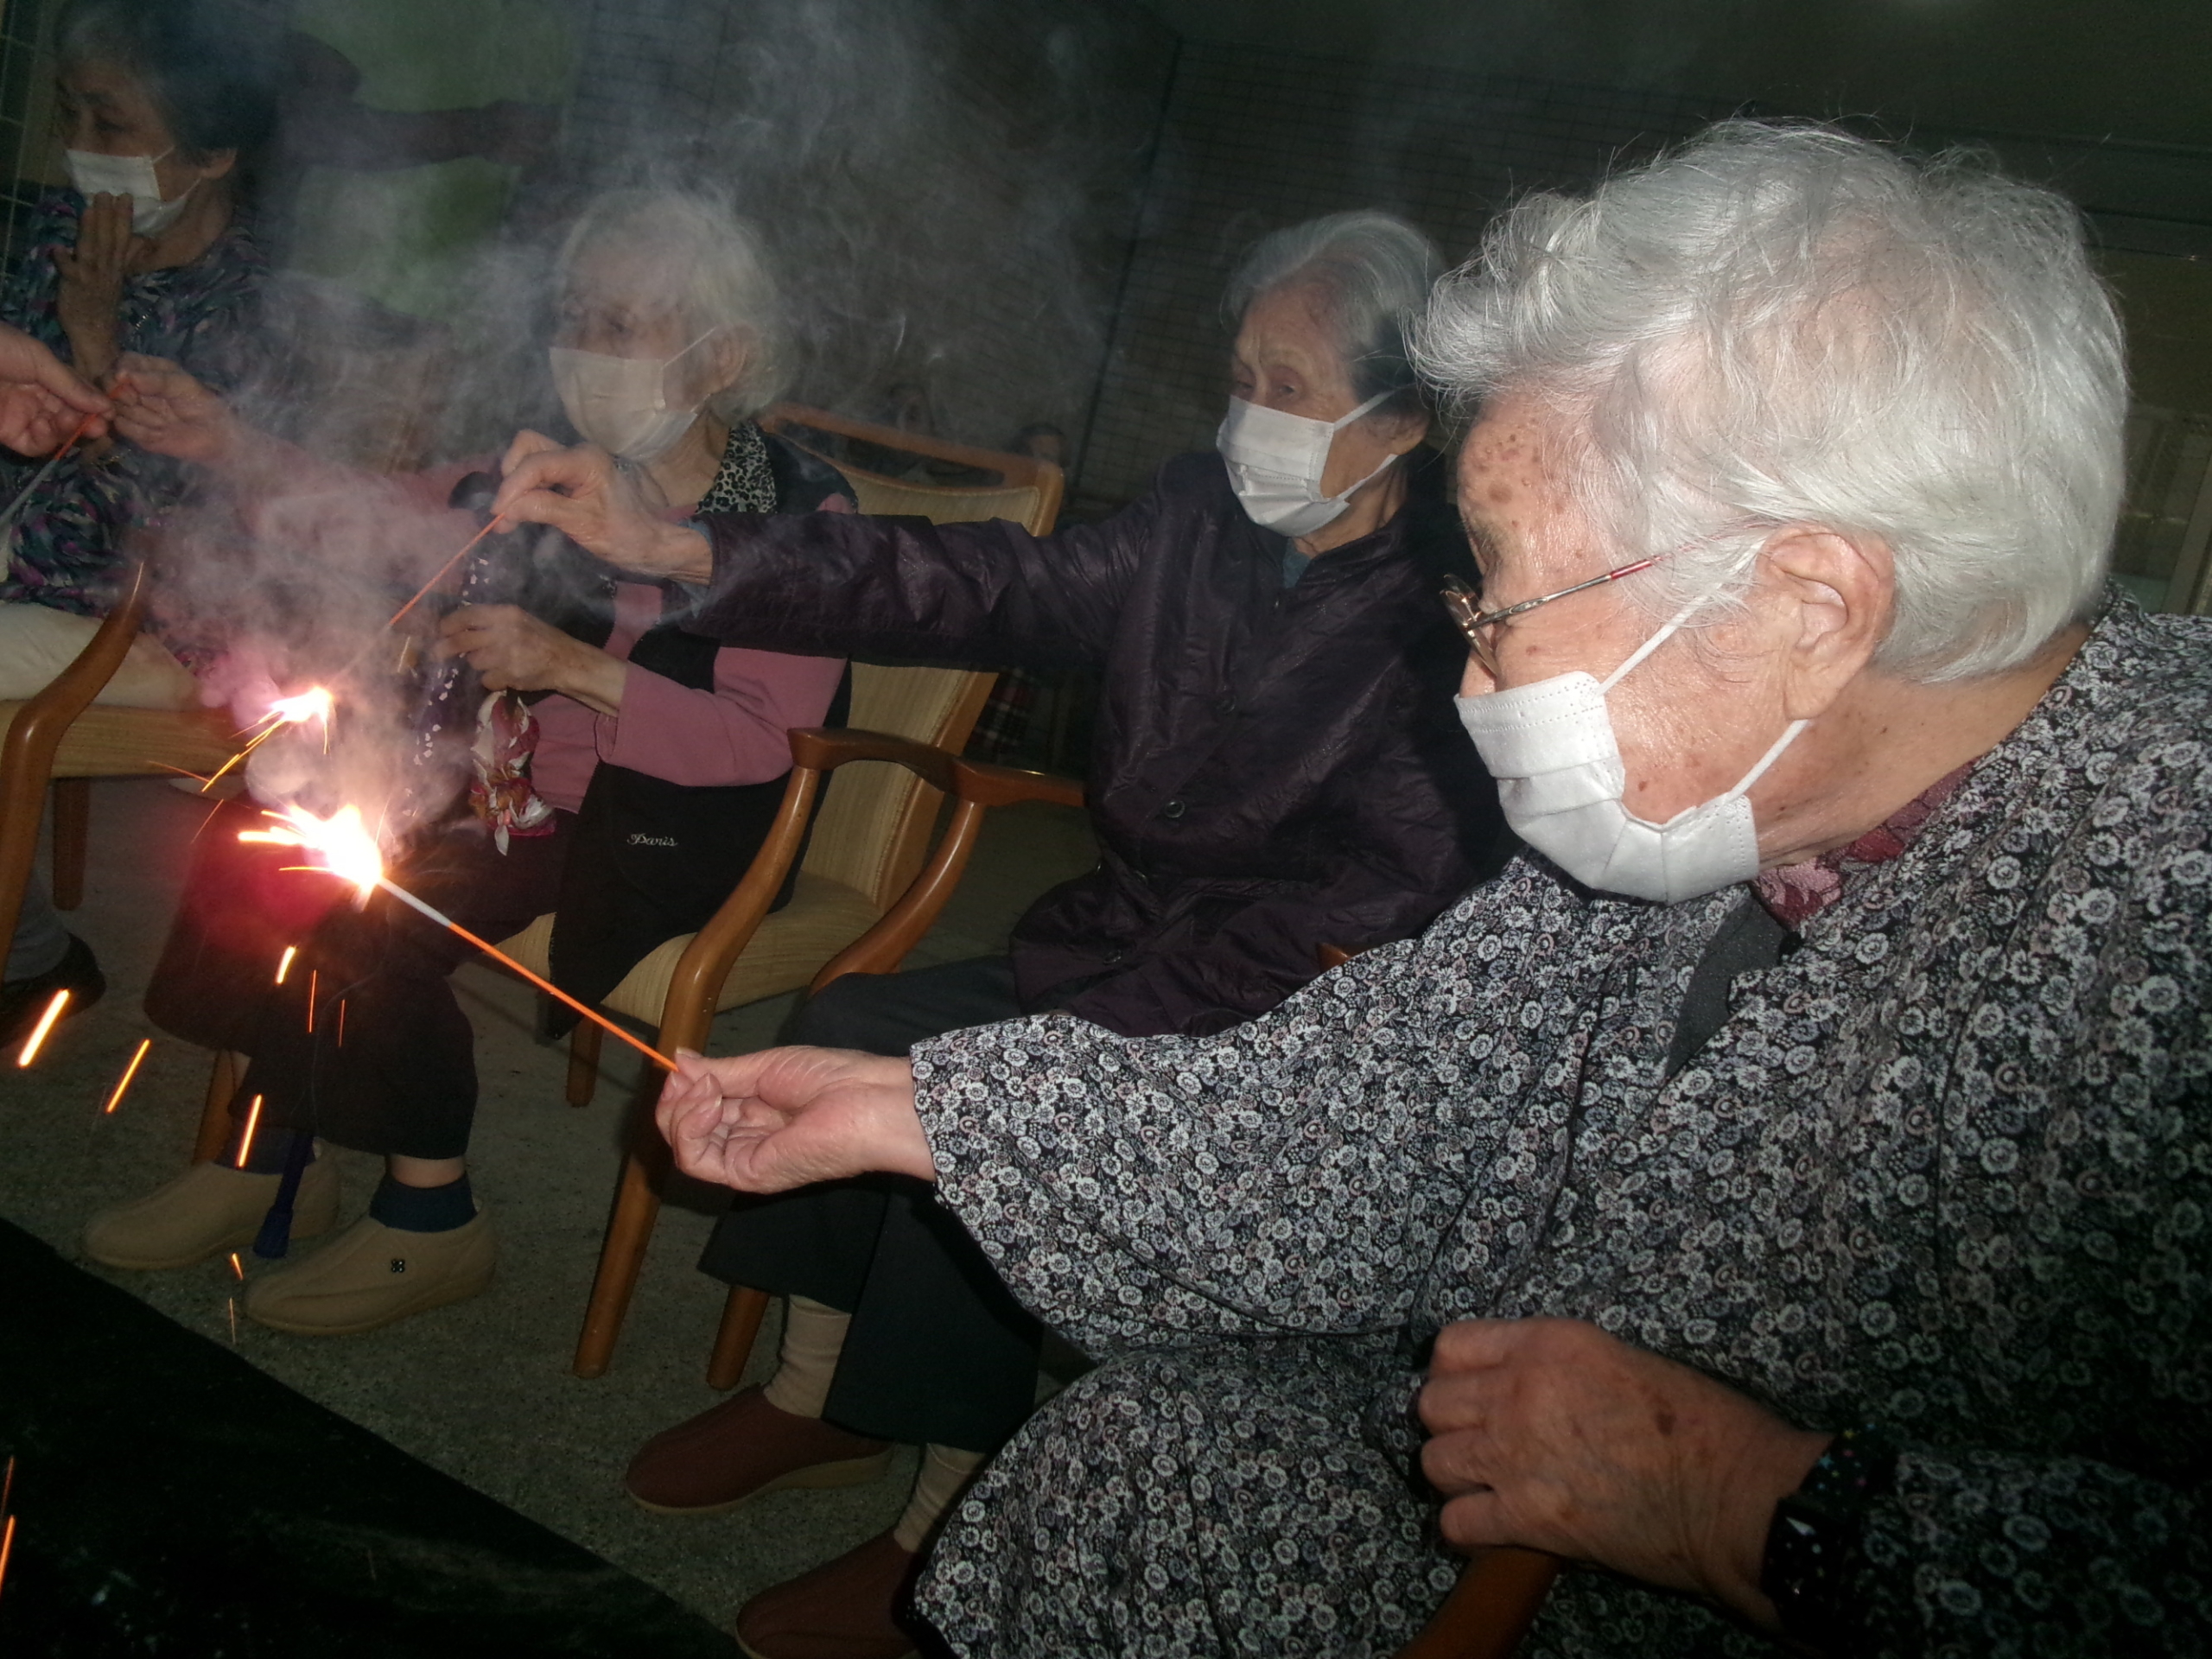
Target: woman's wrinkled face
[[1687, 729], [106, 110], [1286, 357], [617, 304]]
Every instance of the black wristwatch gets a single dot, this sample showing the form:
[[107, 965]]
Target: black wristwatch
[[1816, 1538]]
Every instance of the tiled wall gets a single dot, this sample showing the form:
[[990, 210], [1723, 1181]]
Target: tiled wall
[[1254, 141]]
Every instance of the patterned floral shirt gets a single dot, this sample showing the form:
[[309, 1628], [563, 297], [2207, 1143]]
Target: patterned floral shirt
[[64, 550], [1946, 1167]]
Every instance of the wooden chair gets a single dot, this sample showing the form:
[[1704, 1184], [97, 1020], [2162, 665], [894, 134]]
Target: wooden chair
[[1018, 475], [61, 737], [865, 849], [1498, 1596]]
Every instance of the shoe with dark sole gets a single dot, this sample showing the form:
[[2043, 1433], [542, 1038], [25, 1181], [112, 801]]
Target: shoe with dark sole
[[845, 1609], [744, 1447]]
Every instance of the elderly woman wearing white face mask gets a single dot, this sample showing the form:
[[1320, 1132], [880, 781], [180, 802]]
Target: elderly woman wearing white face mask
[[1783, 1187], [1275, 770], [655, 765]]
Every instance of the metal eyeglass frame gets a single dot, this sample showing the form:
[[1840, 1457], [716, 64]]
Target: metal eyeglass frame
[[1461, 600]]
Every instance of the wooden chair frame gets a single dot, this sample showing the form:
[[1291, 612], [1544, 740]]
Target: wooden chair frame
[[689, 1010], [1014, 471]]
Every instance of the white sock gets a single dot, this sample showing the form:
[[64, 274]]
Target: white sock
[[813, 1337], [945, 1472]]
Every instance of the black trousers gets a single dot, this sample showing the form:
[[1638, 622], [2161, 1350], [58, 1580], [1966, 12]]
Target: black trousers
[[939, 1352], [363, 1043]]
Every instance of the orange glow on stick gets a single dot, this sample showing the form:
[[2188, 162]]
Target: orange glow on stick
[[253, 1122], [444, 570], [284, 962], [348, 851], [32, 1044], [128, 1071]]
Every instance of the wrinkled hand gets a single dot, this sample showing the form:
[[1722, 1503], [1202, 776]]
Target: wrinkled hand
[[89, 295], [786, 1118], [511, 648], [161, 408], [41, 400], [1550, 1435], [582, 495]]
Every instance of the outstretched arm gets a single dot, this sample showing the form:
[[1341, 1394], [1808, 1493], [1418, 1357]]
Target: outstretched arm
[[770, 1121]]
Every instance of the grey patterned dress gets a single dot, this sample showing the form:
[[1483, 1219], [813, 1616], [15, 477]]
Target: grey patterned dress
[[1946, 1168]]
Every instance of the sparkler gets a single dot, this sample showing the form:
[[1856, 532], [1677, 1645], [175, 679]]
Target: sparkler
[[253, 1122], [349, 852], [314, 703], [39, 477], [444, 570], [32, 1044], [130, 1071], [285, 965]]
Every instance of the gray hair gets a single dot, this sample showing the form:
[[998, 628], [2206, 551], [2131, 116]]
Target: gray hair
[[1373, 271], [208, 71], [1783, 325], [717, 274]]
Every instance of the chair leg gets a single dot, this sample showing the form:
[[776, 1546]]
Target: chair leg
[[734, 1342], [215, 1115], [583, 1063], [629, 1230], [72, 821]]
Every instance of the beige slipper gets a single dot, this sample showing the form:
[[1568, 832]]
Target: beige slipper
[[371, 1274], [209, 1209]]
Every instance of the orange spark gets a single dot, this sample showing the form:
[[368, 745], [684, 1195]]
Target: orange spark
[[253, 1122], [341, 840], [129, 1072], [341, 1022], [313, 975], [8, 1484], [285, 965], [232, 1302], [314, 703], [7, 1546], [31, 1043], [237, 1267]]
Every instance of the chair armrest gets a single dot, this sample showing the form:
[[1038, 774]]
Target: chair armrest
[[989, 785], [1498, 1596], [707, 961], [35, 733]]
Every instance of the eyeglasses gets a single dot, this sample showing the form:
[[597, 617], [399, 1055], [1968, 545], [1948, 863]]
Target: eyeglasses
[[1481, 626]]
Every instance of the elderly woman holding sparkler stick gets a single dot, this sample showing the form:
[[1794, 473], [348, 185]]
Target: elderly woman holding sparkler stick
[[658, 762]]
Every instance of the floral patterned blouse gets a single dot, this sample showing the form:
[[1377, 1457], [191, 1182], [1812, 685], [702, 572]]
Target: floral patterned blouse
[[1945, 1167], [64, 549]]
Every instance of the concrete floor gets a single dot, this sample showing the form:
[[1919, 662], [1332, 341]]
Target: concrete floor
[[481, 1390]]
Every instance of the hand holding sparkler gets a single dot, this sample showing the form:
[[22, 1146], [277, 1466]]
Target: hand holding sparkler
[[770, 1121], [41, 398], [582, 493]]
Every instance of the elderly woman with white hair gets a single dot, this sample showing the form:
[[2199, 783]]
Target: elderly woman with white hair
[[1783, 1190], [659, 763], [1275, 770]]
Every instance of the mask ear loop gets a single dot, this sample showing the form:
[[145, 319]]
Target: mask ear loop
[[1673, 625]]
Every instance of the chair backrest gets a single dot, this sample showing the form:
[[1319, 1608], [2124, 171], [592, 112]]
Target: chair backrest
[[873, 829]]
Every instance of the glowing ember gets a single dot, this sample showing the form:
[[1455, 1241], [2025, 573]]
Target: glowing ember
[[129, 1072], [7, 1545], [341, 840], [284, 966], [238, 1267], [253, 1122], [32, 1044], [314, 703]]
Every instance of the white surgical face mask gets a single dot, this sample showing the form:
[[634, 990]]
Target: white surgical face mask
[[1551, 747], [620, 404], [1276, 461], [95, 175]]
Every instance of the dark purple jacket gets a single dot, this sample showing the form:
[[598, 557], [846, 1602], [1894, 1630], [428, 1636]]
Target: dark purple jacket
[[1275, 769]]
